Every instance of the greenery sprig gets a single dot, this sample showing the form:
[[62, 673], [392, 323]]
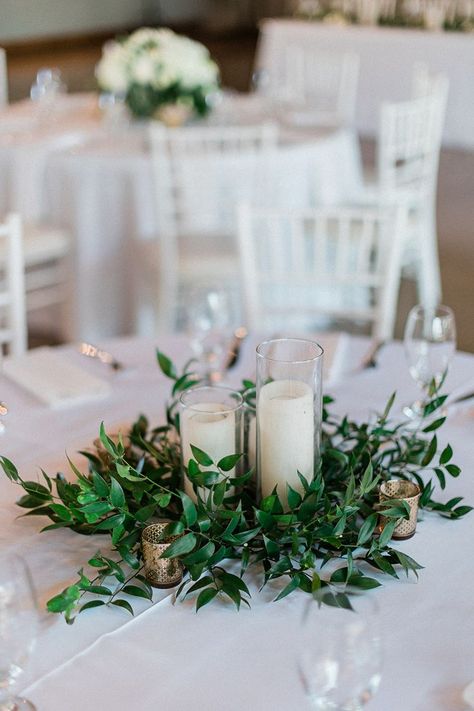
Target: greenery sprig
[[135, 478]]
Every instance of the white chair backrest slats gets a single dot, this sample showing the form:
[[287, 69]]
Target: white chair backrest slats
[[410, 136], [12, 287], [325, 82], [190, 191], [3, 78], [338, 262]]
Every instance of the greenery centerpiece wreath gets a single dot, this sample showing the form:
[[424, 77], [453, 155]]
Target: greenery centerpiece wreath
[[135, 479]]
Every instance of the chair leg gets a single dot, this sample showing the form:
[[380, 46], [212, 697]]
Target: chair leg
[[429, 277]]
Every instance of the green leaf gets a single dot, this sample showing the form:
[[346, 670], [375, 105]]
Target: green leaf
[[99, 590], [453, 469], [108, 523], [205, 597], [180, 547], [292, 585], [229, 462], [91, 604], [430, 452], [189, 509], [200, 584], [446, 454], [293, 496], [166, 366], [100, 485], [387, 533], [124, 605], [201, 457], [367, 529], [117, 496], [201, 555], [137, 592], [435, 425], [9, 468], [62, 512]]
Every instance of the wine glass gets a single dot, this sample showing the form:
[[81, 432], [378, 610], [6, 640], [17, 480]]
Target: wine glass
[[430, 343], [19, 622], [340, 657], [209, 327]]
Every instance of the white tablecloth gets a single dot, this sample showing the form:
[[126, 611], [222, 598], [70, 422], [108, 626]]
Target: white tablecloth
[[387, 56], [221, 660], [99, 185]]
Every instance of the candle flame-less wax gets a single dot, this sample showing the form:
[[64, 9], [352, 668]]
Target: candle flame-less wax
[[285, 416]]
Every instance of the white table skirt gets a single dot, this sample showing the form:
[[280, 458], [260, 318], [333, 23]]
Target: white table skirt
[[387, 56], [221, 660], [100, 187]]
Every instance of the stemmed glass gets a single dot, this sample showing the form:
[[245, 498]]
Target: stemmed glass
[[430, 343], [340, 657], [209, 327], [19, 622]]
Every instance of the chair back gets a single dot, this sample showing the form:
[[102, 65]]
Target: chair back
[[323, 83], [410, 136], [196, 170], [3, 79], [336, 262], [12, 288]]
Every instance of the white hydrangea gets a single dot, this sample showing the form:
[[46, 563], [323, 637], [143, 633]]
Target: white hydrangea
[[157, 58], [112, 71]]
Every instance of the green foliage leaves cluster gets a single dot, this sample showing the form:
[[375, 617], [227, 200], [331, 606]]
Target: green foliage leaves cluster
[[135, 479]]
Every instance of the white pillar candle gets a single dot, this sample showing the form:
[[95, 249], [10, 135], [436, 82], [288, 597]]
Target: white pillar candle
[[285, 413], [211, 427]]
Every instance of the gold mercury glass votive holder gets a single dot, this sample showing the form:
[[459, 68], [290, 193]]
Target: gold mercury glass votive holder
[[402, 491], [160, 572]]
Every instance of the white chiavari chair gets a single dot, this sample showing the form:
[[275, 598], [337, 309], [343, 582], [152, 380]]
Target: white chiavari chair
[[409, 143], [338, 262], [197, 189], [314, 86], [13, 337]]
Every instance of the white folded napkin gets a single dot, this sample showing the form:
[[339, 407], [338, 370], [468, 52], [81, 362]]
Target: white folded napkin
[[47, 375]]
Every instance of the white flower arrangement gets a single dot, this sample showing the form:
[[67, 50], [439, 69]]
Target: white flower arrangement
[[154, 68]]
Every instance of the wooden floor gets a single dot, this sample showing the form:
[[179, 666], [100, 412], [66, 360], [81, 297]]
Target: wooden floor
[[235, 57]]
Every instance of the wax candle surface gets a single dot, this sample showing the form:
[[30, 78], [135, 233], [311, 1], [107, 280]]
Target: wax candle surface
[[211, 427], [285, 416]]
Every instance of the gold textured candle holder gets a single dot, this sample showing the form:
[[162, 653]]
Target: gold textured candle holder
[[160, 572], [403, 491]]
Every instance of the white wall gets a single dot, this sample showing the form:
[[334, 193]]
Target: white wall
[[26, 19]]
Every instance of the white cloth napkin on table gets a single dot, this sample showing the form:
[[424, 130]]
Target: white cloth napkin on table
[[53, 380]]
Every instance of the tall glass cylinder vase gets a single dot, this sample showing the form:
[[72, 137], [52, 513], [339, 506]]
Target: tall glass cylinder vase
[[289, 407], [210, 419]]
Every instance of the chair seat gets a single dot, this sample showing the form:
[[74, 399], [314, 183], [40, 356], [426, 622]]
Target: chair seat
[[43, 243]]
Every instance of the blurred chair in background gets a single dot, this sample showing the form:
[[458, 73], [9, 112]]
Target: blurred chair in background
[[313, 87], [200, 175], [3, 79], [12, 288], [291, 261], [408, 149]]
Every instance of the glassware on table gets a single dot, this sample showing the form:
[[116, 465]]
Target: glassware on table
[[19, 622], [45, 90], [430, 343], [289, 407], [340, 651], [114, 112], [209, 327]]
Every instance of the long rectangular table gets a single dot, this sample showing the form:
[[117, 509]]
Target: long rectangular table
[[168, 656], [387, 56]]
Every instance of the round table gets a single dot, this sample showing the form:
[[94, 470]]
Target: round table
[[77, 173], [169, 657]]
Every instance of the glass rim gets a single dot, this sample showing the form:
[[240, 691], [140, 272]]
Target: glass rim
[[305, 341], [213, 388], [439, 310]]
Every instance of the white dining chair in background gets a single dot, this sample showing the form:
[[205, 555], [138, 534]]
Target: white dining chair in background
[[13, 333], [3, 78], [408, 149], [339, 262], [200, 175], [315, 87]]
